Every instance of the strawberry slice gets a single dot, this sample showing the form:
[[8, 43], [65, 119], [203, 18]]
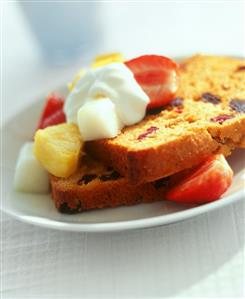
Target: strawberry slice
[[157, 76], [56, 118], [203, 184], [54, 104]]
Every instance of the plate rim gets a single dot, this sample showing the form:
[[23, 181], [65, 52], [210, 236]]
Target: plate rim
[[128, 224]]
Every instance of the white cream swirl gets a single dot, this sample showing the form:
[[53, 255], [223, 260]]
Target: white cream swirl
[[105, 100]]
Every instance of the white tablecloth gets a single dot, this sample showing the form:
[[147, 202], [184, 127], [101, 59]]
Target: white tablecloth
[[201, 257]]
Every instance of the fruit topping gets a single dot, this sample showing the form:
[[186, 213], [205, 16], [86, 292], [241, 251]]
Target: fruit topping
[[208, 97], [87, 178], [157, 76], [105, 59], [99, 61], [238, 105], [30, 176], [148, 132], [98, 119], [56, 118], [205, 183], [52, 112], [58, 148], [77, 77], [221, 118]]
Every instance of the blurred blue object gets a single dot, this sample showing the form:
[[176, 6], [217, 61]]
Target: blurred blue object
[[65, 30]]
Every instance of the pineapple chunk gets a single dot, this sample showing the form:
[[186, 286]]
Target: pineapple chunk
[[58, 148], [78, 76], [105, 59]]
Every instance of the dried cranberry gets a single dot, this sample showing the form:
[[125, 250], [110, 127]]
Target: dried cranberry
[[87, 178], [179, 110], [183, 66], [240, 68], [176, 102], [154, 111], [221, 118], [109, 168], [110, 176], [148, 132], [164, 182], [237, 105], [65, 209], [208, 97]]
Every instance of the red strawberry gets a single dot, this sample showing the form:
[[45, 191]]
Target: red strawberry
[[203, 184], [56, 118], [158, 77], [54, 103]]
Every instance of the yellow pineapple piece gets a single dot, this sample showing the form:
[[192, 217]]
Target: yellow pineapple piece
[[59, 148], [105, 59], [78, 76]]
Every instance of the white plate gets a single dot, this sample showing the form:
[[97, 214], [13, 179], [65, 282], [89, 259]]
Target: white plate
[[40, 210]]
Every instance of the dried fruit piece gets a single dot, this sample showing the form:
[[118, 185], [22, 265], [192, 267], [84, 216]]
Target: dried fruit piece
[[176, 102], [205, 183], [65, 209], [240, 68], [221, 118], [154, 111], [208, 97], [161, 182], [87, 178], [149, 131], [179, 110], [110, 176], [238, 105]]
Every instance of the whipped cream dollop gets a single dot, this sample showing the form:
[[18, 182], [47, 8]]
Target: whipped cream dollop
[[105, 100]]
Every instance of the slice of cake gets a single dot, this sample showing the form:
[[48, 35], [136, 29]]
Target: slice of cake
[[206, 117], [95, 186]]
